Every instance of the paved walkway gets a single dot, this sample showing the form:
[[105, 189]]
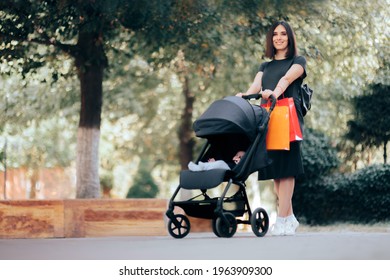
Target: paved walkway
[[334, 245]]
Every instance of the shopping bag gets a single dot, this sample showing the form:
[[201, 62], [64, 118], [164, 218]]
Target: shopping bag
[[278, 134], [295, 128]]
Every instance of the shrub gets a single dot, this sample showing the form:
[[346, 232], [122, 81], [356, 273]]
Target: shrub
[[319, 158], [360, 197], [144, 185], [324, 197]]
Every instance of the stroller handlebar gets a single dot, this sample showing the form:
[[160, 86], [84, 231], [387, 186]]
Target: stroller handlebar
[[252, 96], [258, 96]]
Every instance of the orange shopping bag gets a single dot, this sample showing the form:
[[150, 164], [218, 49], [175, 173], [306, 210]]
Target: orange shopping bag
[[278, 134], [295, 128]]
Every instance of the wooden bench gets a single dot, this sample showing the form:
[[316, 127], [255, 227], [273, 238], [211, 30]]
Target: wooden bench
[[82, 218]]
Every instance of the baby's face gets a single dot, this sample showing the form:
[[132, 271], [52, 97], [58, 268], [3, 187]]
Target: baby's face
[[238, 157]]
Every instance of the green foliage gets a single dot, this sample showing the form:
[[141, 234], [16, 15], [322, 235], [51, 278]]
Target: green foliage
[[345, 42], [325, 197], [106, 180], [2, 159], [331, 39], [319, 158], [360, 197], [144, 185], [371, 124], [48, 145]]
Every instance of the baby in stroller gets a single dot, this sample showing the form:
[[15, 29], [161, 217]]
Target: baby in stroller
[[216, 164]]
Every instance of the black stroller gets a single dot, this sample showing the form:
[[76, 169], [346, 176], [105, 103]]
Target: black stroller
[[231, 124]]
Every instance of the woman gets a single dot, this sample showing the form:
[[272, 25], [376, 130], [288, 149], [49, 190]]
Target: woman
[[282, 77]]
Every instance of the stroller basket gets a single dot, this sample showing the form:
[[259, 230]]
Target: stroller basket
[[206, 208]]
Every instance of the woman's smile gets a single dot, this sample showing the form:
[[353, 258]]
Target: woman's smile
[[280, 38]]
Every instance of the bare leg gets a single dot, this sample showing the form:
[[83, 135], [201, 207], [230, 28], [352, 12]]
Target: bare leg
[[285, 190], [276, 189], [286, 223]]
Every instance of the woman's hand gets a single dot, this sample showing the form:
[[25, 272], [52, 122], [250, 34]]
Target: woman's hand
[[265, 94], [240, 94]]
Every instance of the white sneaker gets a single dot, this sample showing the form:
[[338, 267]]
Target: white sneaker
[[291, 225], [279, 227]]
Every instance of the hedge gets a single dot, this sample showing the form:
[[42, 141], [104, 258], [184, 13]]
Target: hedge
[[323, 196], [360, 197]]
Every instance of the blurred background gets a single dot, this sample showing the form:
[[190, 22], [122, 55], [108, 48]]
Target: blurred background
[[163, 63]]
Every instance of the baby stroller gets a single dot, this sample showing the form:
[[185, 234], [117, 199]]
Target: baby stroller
[[229, 125]]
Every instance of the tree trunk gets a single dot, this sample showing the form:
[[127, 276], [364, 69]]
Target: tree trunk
[[90, 62], [34, 179], [385, 152], [87, 164], [185, 130], [185, 134]]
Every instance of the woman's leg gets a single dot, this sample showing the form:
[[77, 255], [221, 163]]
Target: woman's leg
[[278, 227], [286, 223], [285, 190], [276, 189]]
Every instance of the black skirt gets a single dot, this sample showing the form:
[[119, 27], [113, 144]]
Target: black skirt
[[284, 164]]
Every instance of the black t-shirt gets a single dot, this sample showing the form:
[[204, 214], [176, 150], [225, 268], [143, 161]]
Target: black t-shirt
[[274, 70]]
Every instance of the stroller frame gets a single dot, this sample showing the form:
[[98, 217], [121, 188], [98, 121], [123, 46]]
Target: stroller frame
[[224, 221]]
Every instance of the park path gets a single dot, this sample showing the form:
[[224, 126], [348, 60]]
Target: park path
[[306, 245]]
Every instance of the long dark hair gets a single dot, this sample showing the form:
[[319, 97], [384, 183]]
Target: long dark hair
[[270, 51]]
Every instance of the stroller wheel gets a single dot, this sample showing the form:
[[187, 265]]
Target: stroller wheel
[[214, 226], [228, 227], [180, 227], [259, 222]]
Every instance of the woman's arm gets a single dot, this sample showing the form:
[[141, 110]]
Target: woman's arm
[[292, 74]]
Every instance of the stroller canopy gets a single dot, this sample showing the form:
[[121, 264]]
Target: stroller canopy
[[233, 124], [231, 115]]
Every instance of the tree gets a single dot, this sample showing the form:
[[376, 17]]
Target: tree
[[47, 32], [349, 40], [192, 41], [35, 33], [371, 124]]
